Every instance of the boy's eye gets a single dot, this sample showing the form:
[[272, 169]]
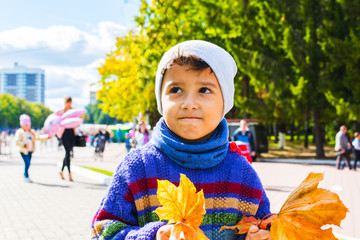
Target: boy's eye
[[204, 90], [175, 90]]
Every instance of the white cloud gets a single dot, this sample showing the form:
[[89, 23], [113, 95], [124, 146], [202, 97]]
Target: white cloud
[[106, 33], [62, 38], [69, 56], [58, 38], [73, 81]]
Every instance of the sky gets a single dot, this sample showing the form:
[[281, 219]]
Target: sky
[[68, 39]]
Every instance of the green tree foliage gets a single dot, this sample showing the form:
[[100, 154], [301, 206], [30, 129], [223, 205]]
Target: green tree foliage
[[97, 116], [11, 108], [298, 61], [317, 42]]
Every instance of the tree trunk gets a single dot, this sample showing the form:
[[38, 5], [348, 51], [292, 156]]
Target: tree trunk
[[306, 136], [153, 117], [314, 136], [298, 132], [275, 132], [292, 128], [319, 141]]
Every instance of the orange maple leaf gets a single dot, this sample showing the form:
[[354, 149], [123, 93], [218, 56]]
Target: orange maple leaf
[[305, 211], [183, 206]]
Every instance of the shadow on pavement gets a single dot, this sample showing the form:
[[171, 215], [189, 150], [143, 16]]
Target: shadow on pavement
[[51, 185]]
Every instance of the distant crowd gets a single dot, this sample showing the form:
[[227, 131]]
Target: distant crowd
[[344, 145]]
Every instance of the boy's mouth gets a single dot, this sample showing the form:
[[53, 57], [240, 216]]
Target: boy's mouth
[[189, 118]]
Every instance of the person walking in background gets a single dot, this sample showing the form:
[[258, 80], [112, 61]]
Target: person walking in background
[[118, 135], [342, 147], [68, 139], [139, 137], [356, 145], [25, 140], [245, 140], [145, 132], [100, 140], [128, 142], [142, 135]]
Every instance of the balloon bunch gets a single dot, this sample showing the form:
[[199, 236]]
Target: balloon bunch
[[55, 124]]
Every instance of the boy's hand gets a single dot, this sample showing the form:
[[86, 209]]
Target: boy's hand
[[255, 233], [163, 233]]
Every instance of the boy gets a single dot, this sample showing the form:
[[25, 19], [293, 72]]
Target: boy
[[194, 90]]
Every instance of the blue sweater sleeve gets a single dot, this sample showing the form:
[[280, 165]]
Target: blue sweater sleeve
[[116, 217]]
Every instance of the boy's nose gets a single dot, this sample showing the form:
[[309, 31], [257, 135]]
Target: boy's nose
[[190, 102]]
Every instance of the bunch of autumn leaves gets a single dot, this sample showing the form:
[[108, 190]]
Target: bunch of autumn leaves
[[306, 210]]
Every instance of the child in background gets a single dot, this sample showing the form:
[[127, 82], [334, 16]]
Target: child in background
[[194, 90], [25, 140]]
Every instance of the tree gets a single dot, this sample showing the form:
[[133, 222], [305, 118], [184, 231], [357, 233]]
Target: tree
[[291, 68], [97, 116], [11, 108], [317, 41]]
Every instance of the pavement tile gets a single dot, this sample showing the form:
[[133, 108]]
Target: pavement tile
[[52, 209]]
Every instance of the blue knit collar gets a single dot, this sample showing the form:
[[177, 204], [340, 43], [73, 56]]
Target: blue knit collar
[[199, 155]]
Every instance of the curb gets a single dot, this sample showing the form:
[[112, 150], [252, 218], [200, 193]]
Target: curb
[[300, 161], [96, 176]]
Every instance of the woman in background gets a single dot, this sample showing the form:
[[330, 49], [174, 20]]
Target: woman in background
[[68, 140]]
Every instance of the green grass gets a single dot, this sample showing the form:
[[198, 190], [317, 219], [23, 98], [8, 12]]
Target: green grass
[[288, 137], [300, 141], [99, 170]]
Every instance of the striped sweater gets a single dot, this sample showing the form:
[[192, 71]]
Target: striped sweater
[[232, 189]]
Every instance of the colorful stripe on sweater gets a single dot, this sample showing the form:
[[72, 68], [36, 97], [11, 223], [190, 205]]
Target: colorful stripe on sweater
[[232, 190]]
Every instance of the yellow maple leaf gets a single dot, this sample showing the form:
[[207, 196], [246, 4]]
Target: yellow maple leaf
[[306, 210], [183, 206], [182, 231]]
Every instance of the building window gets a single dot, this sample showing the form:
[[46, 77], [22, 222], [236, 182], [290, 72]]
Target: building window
[[31, 95], [11, 79], [43, 80], [30, 79]]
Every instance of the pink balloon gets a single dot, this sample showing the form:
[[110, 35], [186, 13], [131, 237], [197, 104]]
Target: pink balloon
[[73, 113], [132, 133], [71, 122], [51, 124]]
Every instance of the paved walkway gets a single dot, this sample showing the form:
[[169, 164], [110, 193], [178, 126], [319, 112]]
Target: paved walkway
[[51, 208]]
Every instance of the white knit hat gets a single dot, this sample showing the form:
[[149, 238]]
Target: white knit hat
[[220, 61]]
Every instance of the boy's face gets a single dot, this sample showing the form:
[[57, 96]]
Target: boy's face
[[192, 102]]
